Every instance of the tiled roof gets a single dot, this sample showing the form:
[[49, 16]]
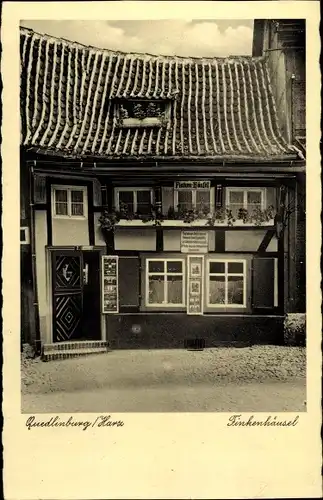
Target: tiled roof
[[221, 108]]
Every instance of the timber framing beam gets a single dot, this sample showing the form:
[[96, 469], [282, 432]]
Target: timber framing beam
[[266, 240]]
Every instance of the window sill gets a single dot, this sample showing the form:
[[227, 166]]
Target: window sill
[[69, 217]]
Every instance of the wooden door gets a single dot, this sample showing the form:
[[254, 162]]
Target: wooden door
[[67, 295]]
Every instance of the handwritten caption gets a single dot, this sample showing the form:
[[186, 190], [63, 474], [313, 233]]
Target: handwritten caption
[[271, 421], [101, 421]]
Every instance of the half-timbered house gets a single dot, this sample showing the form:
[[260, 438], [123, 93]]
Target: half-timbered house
[[158, 200]]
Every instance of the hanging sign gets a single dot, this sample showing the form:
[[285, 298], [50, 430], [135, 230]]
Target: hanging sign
[[110, 297], [192, 185], [195, 284], [194, 241]]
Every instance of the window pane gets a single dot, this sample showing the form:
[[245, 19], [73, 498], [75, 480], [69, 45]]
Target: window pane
[[156, 290], [61, 195], [77, 196], [61, 202], [217, 290], [156, 266], [235, 290], [251, 207], [185, 200], [254, 197], [235, 267], [236, 197], [61, 208], [202, 201], [217, 267], [143, 202], [126, 200], [174, 267], [175, 289], [77, 209]]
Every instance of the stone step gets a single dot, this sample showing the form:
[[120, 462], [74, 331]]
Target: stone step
[[71, 353], [71, 346]]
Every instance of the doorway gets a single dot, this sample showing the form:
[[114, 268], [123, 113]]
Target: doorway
[[76, 295]]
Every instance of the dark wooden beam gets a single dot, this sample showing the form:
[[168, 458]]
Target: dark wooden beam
[[219, 240], [266, 240]]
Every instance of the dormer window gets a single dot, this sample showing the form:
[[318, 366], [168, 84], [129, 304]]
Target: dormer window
[[142, 113]]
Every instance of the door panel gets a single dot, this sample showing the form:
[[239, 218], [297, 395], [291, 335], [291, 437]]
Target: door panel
[[68, 316], [91, 324], [67, 295]]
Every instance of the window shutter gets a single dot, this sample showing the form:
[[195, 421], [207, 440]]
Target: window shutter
[[129, 283], [39, 188], [263, 282]]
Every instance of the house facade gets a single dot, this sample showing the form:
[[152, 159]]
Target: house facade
[[159, 200]]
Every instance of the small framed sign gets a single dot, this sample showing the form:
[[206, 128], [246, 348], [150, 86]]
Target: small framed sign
[[110, 285], [195, 288]]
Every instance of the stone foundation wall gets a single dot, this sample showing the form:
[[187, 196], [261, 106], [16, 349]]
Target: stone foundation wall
[[174, 330]]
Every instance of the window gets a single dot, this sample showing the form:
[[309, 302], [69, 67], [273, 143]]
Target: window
[[227, 283], [194, 199], [24, 235], [134, 200], [165, 282], [245, 198], [142, 113], [69, 202]]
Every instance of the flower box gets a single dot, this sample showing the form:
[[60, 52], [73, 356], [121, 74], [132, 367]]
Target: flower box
[[195, 223]]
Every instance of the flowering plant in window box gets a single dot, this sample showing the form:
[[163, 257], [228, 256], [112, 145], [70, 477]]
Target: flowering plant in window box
[[109, 219], [222, 215]]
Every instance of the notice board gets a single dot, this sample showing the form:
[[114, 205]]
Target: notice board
[[194, 241], [110, 285]]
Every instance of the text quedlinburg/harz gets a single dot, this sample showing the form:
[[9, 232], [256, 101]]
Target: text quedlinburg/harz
[[100, 421]]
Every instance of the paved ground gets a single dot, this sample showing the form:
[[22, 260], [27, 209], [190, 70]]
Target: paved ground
[[228, 379]]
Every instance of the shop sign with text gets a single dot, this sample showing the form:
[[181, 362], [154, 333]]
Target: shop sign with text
[[192, 185]]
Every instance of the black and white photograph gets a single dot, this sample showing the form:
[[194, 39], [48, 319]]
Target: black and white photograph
[[162, 215]]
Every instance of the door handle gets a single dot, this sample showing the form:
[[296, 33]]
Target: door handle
[[86, 274]]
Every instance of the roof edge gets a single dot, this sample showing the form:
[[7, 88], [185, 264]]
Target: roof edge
[[102, 50]]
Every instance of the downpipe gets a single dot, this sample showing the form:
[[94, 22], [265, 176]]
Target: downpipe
[[33, 261]]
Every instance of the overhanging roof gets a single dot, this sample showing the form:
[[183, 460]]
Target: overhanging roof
[[221, 108]]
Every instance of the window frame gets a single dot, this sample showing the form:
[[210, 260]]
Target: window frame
[[245, 190], [69, 189], [193, 191], [26, 239], [226, 274], [134, 190], [165, 274]]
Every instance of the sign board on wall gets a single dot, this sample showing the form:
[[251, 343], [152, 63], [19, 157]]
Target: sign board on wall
[[110, 286], [192, 185], [195, 293], [194, 241]]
